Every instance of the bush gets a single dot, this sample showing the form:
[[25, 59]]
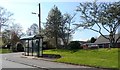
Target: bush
[[47, 45], [73, 45], [14, 49], [19, 47], [6, 46]]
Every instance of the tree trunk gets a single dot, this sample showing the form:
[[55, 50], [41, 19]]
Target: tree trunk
[[112, 43], [56, 41], [112, 40], [65, 43]]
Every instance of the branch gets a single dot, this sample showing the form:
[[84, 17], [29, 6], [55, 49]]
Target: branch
[[93, 29], [99, 32], [117, 38], [98, 26], [116, 26], [105, 28]]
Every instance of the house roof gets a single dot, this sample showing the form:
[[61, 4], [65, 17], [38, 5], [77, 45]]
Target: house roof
[[102, 40]]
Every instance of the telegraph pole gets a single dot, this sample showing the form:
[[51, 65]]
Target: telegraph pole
[[40, 50], [39, 15], [40, 41]]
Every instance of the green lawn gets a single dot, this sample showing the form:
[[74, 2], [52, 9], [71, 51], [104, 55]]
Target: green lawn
[[98, 58], [2, 51]]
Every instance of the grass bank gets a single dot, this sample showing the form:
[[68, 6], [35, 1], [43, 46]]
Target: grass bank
[[2, 51], [98, 58]]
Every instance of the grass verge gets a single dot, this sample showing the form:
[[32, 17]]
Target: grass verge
[[2, 51], [98, 58]]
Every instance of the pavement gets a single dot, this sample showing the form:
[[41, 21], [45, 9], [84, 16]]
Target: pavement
[[42, 63], [10, 65]]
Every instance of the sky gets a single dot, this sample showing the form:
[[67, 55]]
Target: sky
[[22, 10]]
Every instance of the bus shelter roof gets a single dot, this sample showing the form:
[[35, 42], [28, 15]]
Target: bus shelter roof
[[31, 37]]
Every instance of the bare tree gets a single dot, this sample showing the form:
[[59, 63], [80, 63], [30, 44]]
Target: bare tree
[[28, 32], [12, 34], [4, 17], [103, 15], [65, 28], [16, 29], [6, 36], [33, 30]]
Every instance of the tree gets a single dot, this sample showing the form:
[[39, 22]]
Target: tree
[[33, 30], [17, 29], [28, 32], [65, 28], [53, 23], [50, 42], [92, 40], [103, 15], [6, 36], [4, 17], [11, 34], [58, 26], [14, 39]]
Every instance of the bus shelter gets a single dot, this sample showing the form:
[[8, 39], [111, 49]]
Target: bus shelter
[[33, 45]]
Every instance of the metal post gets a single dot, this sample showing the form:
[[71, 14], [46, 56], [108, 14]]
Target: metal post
[[38, 48], [41, 45], [32, 47], [28, 49]]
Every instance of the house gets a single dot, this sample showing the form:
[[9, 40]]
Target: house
[[104, 43], [90, 46]]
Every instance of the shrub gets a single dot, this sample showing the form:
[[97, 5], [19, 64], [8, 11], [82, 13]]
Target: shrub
[[14, 49], [19, 47], [6, 46], [73, 45], [47, 45]]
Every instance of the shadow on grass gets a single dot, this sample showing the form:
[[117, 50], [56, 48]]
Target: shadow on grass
[[51, 56], [65, 50]]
